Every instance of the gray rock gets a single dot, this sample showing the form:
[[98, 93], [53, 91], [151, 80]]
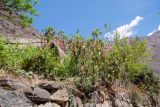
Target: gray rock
[[60, 97], [39, 96], [90, 105], [74, 102], [120, 103], [78, 102], [9, 28], [96, 97], [13, 99], [49, 104], [122, 100], [50, 86], [15, 85], [105, 104]]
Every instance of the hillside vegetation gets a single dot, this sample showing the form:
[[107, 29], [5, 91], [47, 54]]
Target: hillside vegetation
[[91, 62]]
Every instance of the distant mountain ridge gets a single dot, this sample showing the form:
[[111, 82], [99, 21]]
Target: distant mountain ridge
[[154, 46]]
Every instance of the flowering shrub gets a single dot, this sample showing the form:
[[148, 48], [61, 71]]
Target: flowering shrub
[[104, 62], [91, 61]]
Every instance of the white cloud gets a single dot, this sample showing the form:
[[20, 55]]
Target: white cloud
[[149, 34], [158, 29], [136, 21], [125, 30]]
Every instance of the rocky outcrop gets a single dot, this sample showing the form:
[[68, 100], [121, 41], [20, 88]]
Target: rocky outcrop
[[13, 99], [14, 32], [10, 26], [52, 94]]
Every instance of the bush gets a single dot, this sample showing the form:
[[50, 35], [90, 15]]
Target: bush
[[121, 59], [3, 53], [126, 58], [135, 98], [12, 56], [42, 62], [30, 58], [62, 67], [148, 80]]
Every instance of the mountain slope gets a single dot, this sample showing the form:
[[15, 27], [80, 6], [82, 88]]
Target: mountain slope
[[154, 46]]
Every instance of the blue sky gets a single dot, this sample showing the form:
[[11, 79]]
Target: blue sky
[[85, 15]]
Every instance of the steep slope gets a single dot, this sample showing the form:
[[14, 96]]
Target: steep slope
[[154, 46]]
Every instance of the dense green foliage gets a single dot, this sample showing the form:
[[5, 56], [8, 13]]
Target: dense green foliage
[[150, 82], [21, 8], [92, 62], [30, 58]]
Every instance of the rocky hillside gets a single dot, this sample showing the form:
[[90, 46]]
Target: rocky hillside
[[154, 46], [22, 92], [30, 91], [10, 27]]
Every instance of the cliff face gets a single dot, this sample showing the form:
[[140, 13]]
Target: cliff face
[[154, 46]]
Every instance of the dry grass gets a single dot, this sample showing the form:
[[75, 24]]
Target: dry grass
[[34, 79], [23, 78]]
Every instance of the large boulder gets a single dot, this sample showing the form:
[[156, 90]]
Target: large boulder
[[13, 99], [39, 96], [60, 97]]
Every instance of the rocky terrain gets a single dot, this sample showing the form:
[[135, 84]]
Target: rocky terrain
[[14, 32], [10, 26], [17, 92]]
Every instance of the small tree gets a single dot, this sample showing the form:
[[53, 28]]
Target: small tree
[[20, 7], [62, 34], [49, 33], [95, 33]]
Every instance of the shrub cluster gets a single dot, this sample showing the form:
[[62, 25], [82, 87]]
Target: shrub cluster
[[28, 59]]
